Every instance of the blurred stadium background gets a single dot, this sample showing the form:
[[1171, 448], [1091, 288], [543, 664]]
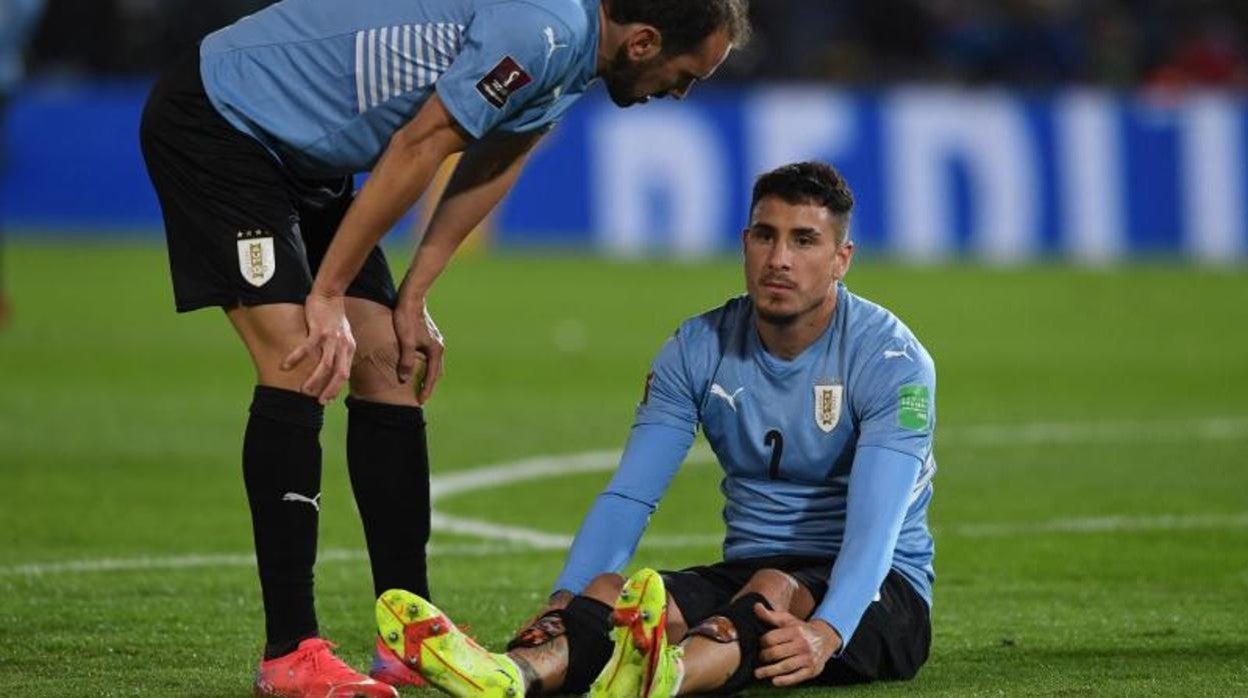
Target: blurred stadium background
[[1052, 193]]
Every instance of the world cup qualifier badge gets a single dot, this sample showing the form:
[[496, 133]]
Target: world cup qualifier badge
[[503, 81]]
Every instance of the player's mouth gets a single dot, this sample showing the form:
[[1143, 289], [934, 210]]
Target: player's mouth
[[778, 285]]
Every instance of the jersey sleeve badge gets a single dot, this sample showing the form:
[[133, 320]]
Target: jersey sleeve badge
[[503, 81], [913, 407]]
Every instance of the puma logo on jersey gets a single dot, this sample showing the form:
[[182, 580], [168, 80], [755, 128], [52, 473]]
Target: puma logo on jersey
[[553, 45], [296, 497], [719, 392], [892, 354]]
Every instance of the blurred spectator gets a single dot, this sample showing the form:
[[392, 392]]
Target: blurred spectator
[[1030, 43], [17, 20], [1208, 51]]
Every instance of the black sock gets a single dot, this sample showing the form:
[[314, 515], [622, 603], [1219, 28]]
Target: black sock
[[388, 460], [282, 473]]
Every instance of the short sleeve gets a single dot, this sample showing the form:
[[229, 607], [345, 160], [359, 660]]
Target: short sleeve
[[668, 398], [896, 399], [504, 66]]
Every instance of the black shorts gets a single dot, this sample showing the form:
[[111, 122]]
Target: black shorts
[[242, 229], [892, 640]]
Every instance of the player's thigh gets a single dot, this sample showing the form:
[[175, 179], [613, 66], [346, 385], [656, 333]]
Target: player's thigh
[[374, 370], [230, 220], [322, 204], [270, 332], [893, 639]]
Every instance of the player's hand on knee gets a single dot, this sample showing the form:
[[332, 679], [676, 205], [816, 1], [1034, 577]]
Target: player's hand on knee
[[420, 347], [330, 339], [796, 650]]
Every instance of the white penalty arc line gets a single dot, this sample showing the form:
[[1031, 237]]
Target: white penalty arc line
[[505, 539]]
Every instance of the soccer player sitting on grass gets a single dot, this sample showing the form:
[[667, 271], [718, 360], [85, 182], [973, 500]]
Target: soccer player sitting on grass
[[251, 143], [819, 406]]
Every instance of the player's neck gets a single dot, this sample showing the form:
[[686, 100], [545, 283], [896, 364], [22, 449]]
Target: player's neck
[[787, 340]]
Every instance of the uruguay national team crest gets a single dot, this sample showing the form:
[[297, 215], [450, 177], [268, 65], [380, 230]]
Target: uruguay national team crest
[[256, 260], [828, 406]]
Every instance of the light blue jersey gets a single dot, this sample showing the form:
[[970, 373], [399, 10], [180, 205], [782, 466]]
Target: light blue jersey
[[324, 84], [827, 455]]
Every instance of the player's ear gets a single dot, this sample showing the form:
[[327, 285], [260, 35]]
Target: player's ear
[[644, 43], [844, 258]]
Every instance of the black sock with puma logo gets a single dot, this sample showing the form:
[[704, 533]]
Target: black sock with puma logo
[[282, 474], [388, 459]]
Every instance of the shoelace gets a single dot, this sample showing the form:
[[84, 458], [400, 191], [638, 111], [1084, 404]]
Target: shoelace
[[319, 654]]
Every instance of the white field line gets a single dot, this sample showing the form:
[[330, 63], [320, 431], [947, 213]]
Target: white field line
[[516, 540], [1114, 432]]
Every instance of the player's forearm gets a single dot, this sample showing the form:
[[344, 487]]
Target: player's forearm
[[608, 536], [483, 177], [605, 542], [400, 177], [879, 496]]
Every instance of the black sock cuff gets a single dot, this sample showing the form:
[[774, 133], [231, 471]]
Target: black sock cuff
[[591, 610], [750, 629], [386, 415], [287, 407], [588, 623]]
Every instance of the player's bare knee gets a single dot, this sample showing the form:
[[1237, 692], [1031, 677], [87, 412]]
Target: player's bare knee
[[776, 586], [605, 588], [270, 333], [374, 376]]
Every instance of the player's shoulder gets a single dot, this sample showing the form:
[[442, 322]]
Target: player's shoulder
[[567, 19], [877, 335], [719, 325]]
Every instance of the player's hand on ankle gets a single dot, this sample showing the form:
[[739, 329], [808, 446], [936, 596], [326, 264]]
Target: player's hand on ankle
[[329, 342], [420, 346], [796, 650]]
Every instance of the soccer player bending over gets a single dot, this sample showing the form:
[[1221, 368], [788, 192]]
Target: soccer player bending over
[[819, 406], [251, 143]]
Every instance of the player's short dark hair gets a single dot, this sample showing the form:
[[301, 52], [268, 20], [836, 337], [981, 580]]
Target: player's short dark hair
[[808, 183], [685, 23]]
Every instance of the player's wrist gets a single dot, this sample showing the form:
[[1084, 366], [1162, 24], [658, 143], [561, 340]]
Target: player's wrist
[[829, 633], [327, 289]]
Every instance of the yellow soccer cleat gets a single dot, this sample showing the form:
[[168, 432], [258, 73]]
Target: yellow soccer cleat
[[422, 638], [643, 663]]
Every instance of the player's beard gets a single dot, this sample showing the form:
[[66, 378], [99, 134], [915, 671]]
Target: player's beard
[[787, 318], [622, 76]]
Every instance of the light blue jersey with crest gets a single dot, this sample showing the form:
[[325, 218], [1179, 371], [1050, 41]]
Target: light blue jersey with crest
[[324, 84], [827, 455]]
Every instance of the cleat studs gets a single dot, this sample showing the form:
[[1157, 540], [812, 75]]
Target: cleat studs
[[393, 636], [436, 628], [412, 609]]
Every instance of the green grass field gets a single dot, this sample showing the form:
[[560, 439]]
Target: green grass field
[[1091, 507]]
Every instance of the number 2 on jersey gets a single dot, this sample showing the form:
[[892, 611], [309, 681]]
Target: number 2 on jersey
[[775, 440]]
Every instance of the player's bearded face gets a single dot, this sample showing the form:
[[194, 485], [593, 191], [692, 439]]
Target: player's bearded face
[[793, 259], [632, 80], [625, 76]]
